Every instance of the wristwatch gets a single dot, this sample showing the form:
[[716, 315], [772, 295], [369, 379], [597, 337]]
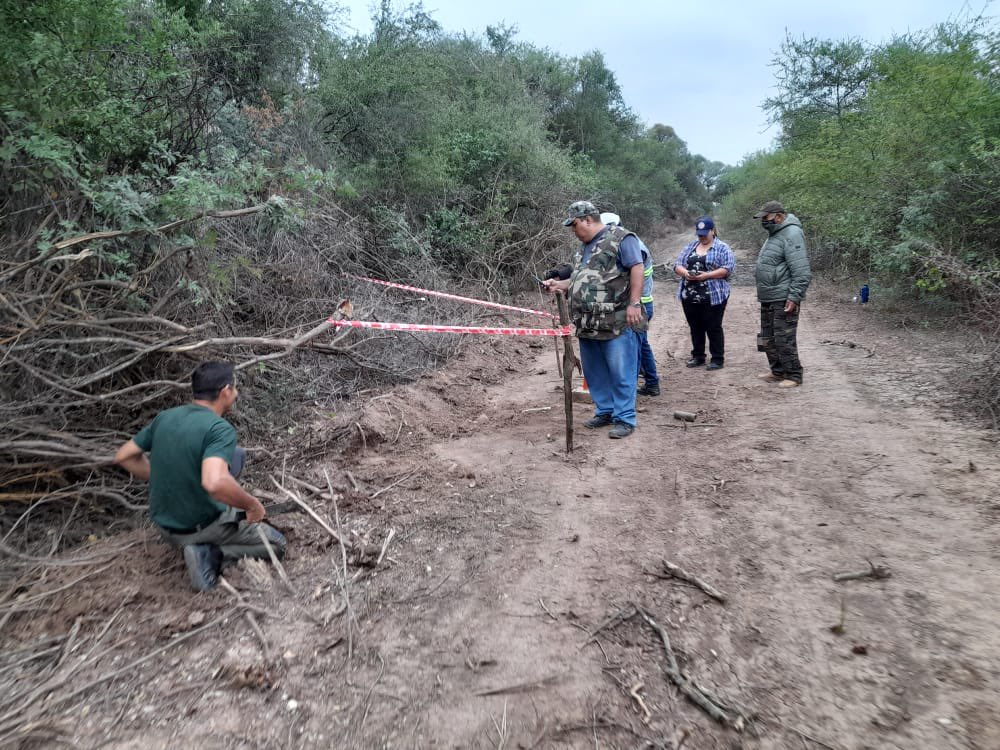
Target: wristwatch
[[635, 304]]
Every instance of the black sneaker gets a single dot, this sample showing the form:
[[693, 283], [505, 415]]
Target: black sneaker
[[621, 430], [695, 362], [649, 390], [714, 366], [203, 561], [601, 420]]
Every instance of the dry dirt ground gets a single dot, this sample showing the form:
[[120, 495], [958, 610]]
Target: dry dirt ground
[[490, 622]]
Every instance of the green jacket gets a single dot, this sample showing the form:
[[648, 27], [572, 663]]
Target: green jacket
[[782, 270]]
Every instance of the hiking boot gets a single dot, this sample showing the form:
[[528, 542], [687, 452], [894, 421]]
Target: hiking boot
[[601, 420], [770, 377], [789, 384], [621, 430], [649, 390], [203, 561], [694, 362], [714, 366]]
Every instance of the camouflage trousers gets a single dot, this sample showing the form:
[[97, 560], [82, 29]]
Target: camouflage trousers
[[778, 331], [230, 531], [233, 535]]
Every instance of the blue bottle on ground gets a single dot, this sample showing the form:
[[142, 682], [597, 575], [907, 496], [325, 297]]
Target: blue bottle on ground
[[864, 294]]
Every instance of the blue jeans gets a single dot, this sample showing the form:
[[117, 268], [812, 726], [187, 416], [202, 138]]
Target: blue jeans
[[647, 363], [611, 369]]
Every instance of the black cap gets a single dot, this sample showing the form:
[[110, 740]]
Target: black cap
[[771, 207]]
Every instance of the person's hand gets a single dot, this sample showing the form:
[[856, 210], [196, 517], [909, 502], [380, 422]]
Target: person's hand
[[633, 315], [256, 513], [791, 306], [555, 285]]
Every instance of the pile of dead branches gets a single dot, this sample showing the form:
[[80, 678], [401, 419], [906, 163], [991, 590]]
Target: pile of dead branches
[[100, 331]]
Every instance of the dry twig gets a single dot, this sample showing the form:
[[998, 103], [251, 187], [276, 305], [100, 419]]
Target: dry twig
[[678, 572], [385, 546], [877, 572], [394, 484], [694, 693], [312, 514], [274, 560], [634, 692], [248, 616], [351, 621], [521, 687]]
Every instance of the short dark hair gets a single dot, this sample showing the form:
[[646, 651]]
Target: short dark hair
[[209, 378]]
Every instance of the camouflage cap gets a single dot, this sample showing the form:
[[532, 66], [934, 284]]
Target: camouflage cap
[[771, 207], [580, 209]]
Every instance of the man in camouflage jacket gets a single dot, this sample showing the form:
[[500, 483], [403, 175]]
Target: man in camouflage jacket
[[783, 275], [605, 290]]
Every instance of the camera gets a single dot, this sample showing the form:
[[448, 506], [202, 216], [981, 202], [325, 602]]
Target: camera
[[562, 272]]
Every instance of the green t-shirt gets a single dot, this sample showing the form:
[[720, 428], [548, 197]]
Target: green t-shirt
[[177, 441]]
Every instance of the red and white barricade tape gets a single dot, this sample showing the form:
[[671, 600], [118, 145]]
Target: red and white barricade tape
[[445, 295], [560, 331]]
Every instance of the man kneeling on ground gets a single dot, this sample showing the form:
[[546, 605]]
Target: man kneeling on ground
[[194, 498]]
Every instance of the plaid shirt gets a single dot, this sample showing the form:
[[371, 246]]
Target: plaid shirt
[[719, 256]]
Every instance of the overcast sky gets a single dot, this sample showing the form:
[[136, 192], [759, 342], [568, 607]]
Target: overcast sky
[[701, 67]]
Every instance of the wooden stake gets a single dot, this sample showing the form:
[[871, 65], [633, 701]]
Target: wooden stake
[[569, 361]]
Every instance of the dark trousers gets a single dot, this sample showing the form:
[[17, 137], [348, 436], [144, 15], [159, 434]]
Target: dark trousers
[[706, 320], [779, 331], [647, 362]]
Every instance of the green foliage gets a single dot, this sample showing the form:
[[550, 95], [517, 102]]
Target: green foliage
[[889, 153], [437, 122], [154, 110]]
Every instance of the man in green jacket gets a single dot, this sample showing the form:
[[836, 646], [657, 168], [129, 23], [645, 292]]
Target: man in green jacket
[[191, 467], [783, 276]]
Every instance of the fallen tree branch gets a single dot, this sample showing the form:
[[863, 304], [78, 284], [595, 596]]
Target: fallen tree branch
[[701, 698], [696, 694], [678, 572]]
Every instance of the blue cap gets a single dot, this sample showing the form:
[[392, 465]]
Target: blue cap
[[703, 226]]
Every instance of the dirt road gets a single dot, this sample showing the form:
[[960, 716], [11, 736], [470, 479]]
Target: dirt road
[[475, 628]]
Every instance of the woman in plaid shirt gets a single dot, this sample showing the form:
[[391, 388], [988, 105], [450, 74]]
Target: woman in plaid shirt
[[704, 267]]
